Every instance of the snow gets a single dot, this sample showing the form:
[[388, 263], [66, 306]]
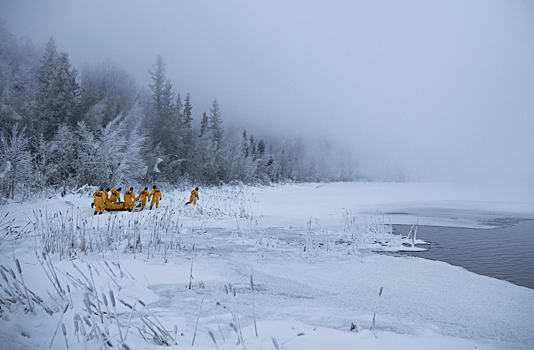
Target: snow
[[293, 241]]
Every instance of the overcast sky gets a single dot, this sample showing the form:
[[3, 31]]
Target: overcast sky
[[439, 90]]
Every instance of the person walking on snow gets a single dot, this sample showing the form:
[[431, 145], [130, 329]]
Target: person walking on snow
[[156, 196], [98, 201], [143, 195], [193, 198], [129, 198]]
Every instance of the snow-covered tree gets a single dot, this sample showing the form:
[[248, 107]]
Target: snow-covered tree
[[132, 167], [67, 100], [245, 145], [107, 90], [215, 123], [188, 138], [164, 122], [120, 154], [43, 166], [16, 163], [88, 157], [57, 98], [204, 125], [18, 62], [63, 153]]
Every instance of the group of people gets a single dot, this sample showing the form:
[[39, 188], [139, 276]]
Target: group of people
[[102, 198]]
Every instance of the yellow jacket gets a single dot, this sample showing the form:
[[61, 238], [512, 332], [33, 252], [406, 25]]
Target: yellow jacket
[[115, 196], [129, 197], [155, 194], [143, 195], [98, 199]]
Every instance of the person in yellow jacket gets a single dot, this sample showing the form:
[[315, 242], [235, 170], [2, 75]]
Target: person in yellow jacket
[[143, 195], [156, 196], [115, 195], [193, 198], [129, 198], [98, 201]]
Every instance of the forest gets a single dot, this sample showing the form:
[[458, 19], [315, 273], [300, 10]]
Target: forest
[[63, 128]]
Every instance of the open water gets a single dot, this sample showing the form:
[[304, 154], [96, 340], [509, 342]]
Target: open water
[[506, 253]]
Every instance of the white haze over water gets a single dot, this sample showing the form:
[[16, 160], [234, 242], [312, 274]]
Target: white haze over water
[[440, 90]]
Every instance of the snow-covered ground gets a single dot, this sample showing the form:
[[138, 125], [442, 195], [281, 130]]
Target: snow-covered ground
[[182, 275]]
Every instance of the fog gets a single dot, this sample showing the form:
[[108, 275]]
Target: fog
[[421, 90]]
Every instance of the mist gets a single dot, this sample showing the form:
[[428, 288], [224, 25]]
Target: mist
[[417, 90]]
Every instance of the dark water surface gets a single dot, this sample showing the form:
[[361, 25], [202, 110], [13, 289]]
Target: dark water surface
[[506, 253]]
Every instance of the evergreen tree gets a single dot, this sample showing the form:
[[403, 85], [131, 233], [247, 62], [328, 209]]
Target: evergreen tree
[[261, 148], [187, 113], [68, 92], [45, 79], [57, 93], [164, 124], [204, 125], [262, 164], [245, 144], [178, 104], [215, 123], [210, 146], [158, 85], [168, 109], [188, 140], [252, 147]]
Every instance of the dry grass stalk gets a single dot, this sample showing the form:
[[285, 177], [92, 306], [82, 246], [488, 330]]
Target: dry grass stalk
[[64, 330], [191, 272], [196, 325], [293, 337], [231, 292], [253, 306], [160, 327], [130, 319], [62, 314], [19, 269], [275, 343], [376, 307], [213, 339], [218, 324], [112, 299]]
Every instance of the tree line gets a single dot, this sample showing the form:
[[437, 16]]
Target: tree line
[[62, 129]]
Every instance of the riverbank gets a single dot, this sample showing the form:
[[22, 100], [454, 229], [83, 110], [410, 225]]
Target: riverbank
[[196, 276]]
